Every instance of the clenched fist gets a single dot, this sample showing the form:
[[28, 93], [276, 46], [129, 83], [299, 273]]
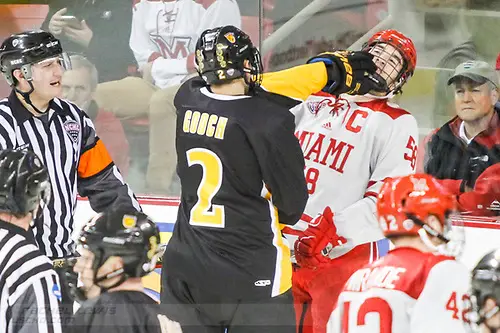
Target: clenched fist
[[350, 72]]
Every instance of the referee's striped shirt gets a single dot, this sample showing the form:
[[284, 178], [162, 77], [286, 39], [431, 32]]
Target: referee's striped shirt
[[78, 163], [29, 287]]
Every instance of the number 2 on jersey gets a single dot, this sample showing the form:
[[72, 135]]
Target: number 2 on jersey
[[204, 213]]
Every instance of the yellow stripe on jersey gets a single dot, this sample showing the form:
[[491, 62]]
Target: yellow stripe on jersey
[[283, 269], [297, 82]]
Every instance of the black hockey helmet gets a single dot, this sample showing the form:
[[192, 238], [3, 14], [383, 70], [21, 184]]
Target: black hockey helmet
[[485, 282], [21, 50], [24, 182], [124, 233], [220, 55]]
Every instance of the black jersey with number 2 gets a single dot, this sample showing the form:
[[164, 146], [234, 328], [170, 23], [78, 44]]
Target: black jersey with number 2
[[242, 177]]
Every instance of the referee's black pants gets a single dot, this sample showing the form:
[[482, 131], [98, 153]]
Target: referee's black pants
[[199, 311]]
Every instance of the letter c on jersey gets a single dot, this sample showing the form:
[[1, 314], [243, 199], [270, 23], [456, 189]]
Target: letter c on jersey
[[349, 126]]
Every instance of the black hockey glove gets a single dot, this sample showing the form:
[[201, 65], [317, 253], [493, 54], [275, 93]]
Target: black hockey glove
[[351, 72]]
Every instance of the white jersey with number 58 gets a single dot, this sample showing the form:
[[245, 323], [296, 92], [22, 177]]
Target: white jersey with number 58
[[351, 144], [406, 291]]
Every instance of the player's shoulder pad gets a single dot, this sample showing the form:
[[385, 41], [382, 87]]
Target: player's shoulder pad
[[445, 265], [444, 268], [383, 106]]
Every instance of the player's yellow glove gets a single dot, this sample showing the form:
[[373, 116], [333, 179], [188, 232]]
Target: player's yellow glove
[[351, 72]]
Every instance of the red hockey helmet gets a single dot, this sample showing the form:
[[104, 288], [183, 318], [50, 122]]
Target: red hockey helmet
[[405, 47], [404, 203]]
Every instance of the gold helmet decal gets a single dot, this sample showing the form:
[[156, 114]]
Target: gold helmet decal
[[129, 221], [230, 37]]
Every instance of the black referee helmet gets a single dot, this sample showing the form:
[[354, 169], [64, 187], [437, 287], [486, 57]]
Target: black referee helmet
[[21, 50], [24, 182]]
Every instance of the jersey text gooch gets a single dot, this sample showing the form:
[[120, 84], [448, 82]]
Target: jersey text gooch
[[178, 48], [325, 151]]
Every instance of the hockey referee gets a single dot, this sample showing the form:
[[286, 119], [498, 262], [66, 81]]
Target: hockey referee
[[29, 287], [60, 134]]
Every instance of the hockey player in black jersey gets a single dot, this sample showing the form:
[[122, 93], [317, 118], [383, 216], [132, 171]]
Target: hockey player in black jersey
[[242, 177], [116, 249]]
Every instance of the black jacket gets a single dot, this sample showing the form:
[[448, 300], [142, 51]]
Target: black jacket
[[448, 157], [110, 22]]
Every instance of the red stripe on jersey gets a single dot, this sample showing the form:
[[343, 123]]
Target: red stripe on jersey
[[380, 105], [371, 194], [306, 218], [323, 94], [291, 231], [375, 251], [371, 183]]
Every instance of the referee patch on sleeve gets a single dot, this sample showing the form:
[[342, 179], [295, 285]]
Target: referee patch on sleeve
[[57, 292], [72, 128]]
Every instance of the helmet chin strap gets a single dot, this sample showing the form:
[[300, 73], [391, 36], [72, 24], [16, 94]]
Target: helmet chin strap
[[80, 294], [111, 275], [27, 99]]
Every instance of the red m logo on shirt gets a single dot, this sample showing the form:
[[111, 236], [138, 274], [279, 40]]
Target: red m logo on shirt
[[178, 47]]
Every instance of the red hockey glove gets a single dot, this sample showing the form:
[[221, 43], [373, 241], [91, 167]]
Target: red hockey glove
[[315, 243]]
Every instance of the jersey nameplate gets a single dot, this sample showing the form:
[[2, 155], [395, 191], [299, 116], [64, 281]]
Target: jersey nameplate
[[210, 125]]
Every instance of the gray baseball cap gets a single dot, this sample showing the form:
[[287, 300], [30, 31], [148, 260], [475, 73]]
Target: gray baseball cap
[[476, 70]]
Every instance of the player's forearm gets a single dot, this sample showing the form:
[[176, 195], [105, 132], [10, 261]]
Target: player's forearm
[[297, 82], [107, 189]]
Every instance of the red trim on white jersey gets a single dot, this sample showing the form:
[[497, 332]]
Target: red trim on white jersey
[[417, 264], [371, 194], [371, 183], [323, 94], [374, 252], [381, 105], [306, 218]]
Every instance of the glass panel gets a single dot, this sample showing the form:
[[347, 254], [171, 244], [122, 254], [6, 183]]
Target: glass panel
[[445, 33], [129, 58], [135, 114]]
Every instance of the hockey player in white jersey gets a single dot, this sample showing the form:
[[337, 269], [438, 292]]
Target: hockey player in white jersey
[[418, 287], [164, 34], [350, 144]]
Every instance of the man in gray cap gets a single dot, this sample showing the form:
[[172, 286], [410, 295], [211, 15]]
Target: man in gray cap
[[463, 148]]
